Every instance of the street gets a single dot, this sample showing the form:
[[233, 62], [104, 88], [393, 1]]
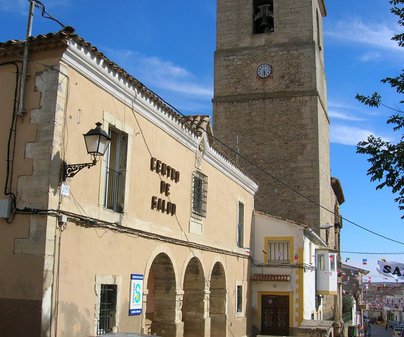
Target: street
[[378, 330]]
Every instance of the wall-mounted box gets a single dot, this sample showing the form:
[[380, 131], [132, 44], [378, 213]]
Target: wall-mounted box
[[5, 206]]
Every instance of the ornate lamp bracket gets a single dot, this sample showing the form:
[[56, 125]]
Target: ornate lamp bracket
[[70, 170]]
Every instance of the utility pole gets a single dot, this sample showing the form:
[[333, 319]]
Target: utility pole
[[21, 109]]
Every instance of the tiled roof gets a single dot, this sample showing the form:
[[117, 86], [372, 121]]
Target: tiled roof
[[199, 123], [60, 40], [196, 124], [270, 277]]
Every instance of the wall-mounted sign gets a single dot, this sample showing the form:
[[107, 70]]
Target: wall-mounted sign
[[165, 171], [136, 294]]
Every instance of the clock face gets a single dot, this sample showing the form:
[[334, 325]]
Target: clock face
[[264, 70]]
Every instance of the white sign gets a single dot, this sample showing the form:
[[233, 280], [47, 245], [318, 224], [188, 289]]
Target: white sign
[[391, 269], [136, 294]]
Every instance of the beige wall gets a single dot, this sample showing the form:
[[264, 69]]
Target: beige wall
[[61, 106], [22, 242]]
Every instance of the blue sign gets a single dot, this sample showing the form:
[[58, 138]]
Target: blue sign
[[136, 294]]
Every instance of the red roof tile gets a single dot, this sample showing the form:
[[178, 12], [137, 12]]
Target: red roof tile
[[270, 277]]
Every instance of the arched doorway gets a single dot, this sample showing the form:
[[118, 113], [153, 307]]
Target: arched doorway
[[193, 304], [218, 301], [160, 307]]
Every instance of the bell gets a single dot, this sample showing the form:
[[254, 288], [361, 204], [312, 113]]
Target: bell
[[264, 20], [266, 25]]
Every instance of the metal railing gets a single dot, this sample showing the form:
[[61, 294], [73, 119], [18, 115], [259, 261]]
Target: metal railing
[[113, 190]]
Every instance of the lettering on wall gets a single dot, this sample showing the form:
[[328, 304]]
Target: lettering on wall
[[159, 203]]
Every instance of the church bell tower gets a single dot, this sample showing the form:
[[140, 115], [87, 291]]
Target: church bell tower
[[270, 102]]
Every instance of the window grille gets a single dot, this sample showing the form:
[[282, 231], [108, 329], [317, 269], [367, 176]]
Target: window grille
[[199, 194], [278, 251], [106, 318]]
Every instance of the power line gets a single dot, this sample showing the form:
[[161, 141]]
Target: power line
[[371, 253], [45, 14], [278, 180]]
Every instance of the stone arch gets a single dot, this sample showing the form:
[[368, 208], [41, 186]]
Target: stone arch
[[194, 308], [161, 297], [218, 301]]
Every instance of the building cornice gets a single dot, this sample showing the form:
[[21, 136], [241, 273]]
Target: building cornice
[[99, 71]]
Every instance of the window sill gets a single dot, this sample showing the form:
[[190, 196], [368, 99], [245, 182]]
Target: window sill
[[195, 226]]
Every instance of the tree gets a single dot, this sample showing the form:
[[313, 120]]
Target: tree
[[387, 158]]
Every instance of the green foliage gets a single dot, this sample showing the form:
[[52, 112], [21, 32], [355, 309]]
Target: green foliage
[[387, 158]]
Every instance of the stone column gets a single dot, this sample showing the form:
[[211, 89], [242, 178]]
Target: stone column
[[179, 324], [206, 313], [145, 323]]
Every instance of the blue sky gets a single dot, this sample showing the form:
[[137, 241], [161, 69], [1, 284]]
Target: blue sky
[[169, 46]]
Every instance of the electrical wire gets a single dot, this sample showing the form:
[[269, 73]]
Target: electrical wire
[[11, 143], [45, 14], [371, 253], [266, 172]]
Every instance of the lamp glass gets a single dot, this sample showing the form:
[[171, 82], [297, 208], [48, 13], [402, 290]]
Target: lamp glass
[[97, 141]]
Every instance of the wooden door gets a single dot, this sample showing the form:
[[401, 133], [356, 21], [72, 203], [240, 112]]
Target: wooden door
[[275, 315]]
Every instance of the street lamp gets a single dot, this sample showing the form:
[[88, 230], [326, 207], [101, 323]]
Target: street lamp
[[97, 141]]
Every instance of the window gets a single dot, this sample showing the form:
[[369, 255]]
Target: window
[[106, 317], [116, 171], [320, 262], [332, 262], [199, 194], [263, 16], [239, 299], [240, 225], [278, 251]]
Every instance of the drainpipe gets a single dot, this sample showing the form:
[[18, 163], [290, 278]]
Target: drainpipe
[[21, 111]]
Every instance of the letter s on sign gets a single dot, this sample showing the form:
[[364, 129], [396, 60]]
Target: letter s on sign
[[386, 269]]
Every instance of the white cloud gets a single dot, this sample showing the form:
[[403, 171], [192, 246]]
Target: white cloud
[[378, 35], [160, 74], [348, 135], [343, 116], [371, 56]]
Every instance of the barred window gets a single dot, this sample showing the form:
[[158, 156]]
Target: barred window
[[199, 194], [106, 318], [278, 251]]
